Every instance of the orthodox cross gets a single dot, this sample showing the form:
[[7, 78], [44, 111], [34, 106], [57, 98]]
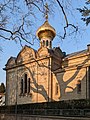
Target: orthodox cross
[[46, 11]]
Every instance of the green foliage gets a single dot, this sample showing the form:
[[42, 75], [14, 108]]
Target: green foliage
[[2, 88], [85, 11]]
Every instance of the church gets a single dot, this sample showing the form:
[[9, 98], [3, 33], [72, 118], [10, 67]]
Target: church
[[47, 74]]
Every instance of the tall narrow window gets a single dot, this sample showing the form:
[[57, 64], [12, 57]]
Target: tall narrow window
[[43, 43], [78, 86], [50, 44], [25, 83], [57, 88], [21, 86], [28, 85], [47, 43]]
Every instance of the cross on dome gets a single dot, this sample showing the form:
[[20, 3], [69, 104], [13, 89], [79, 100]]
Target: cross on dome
[[46, 12], [46, 32]]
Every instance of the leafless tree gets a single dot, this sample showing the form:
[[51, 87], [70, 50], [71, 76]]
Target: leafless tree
[[15, 22], [18, 18]]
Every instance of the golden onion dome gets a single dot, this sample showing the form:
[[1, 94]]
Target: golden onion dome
[[46, 30]]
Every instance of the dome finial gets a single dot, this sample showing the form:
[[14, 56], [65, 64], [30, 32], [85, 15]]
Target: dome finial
[[46, 12], [46, 32]]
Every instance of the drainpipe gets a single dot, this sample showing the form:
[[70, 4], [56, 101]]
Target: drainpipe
[[51, 86], [16, 92], [49, 80], [48, 77], [86, 81]]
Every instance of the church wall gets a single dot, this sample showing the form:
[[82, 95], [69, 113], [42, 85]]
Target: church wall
[[76, 60], [74, 69], [43, 78], [47, 85], [39, 74], [22, 98], [88, 82], [11, 86], [31, 71], [50, 78], [68, 81], [55, 89]]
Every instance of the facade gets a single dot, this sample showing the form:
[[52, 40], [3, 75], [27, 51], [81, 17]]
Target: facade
[[47, 74]]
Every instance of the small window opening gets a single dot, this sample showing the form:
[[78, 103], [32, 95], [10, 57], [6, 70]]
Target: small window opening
[[50, 44], [25, 83], [21, 86], [43, 43], [28, 85], [78, 86], [47, 43]]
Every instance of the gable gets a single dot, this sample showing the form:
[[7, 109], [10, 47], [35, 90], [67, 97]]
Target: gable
[[11, 62], [42, 52], [26, 54]]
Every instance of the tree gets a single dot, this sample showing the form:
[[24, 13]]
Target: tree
[[2, 88], [85, 11], [18, 18]]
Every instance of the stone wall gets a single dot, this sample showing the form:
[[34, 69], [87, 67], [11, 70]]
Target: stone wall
[[27, 117]]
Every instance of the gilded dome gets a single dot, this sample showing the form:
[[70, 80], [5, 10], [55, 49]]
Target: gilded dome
[[46, 28]]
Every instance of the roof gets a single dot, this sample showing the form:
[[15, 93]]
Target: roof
[[46, 26], [75, 54], [56, 51]]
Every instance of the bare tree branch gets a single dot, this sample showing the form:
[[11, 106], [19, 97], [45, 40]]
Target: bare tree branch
[[67, 23], [21, 27], [28, 2], [63, 12]]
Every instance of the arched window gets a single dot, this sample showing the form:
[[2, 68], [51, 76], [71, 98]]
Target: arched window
[[43, 43], [78, 86], [46, 42], [25, 83], [21, 86], [50, 44], [28, 85]]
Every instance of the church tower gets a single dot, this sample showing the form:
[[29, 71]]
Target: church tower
[[46, 32]]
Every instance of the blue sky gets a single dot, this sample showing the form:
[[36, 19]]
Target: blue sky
[[69, 44]]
